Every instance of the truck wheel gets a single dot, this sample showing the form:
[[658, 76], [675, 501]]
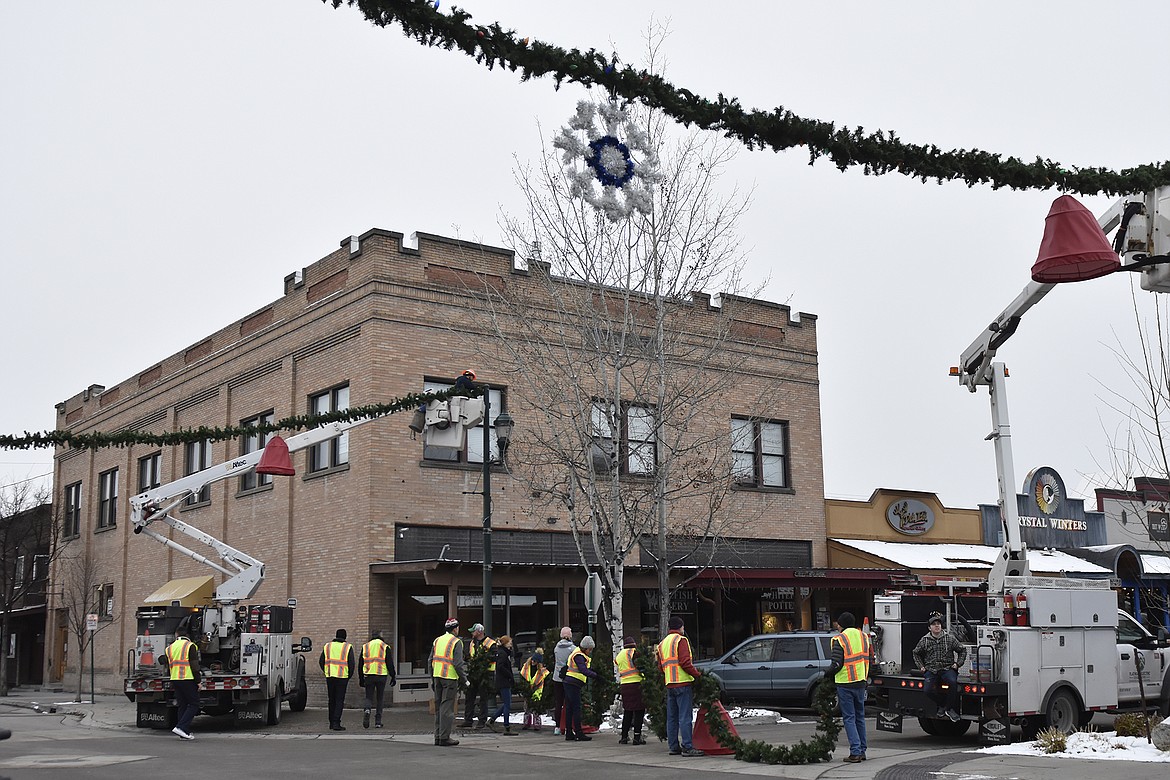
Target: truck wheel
[[1063, 712], [301, 697], [274, 706], [929, 725], [948, 728], [1085, 718]]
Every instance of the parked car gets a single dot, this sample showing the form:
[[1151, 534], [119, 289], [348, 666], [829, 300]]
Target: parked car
[[773, 667]]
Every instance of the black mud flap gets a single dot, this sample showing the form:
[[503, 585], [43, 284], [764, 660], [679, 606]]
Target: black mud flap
[[887, 720], [251, 713], [994, 728], [156, 715]]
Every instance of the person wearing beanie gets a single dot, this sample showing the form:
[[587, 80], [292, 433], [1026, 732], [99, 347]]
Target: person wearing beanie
[[939, 655], [480, 690], [575, 674], [448, 676], [678, 670], [850, 657], [181, 660], [535, 674], [630, 680], [375, 670], [560, 659], [339, 664]]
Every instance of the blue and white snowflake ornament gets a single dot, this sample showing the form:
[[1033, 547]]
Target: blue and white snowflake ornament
[[607, 172]]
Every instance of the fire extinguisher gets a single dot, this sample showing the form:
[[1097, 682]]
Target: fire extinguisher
[[1022, 609], [1009, 608]]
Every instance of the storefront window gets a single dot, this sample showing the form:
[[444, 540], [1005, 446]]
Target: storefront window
[[523, 613], [422, 610]]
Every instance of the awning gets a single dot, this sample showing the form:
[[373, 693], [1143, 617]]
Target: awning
[[933, 557]]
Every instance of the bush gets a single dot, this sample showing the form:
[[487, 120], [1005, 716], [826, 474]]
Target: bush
[[1134, 724], [1052, 740]]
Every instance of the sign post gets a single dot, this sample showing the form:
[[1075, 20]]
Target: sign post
[[592, 598], [91, 621]]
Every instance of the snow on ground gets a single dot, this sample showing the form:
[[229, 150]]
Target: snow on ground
[[1101, 746], [735, 713]]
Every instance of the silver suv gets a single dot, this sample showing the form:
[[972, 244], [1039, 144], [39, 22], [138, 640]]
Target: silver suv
[[773, 667]]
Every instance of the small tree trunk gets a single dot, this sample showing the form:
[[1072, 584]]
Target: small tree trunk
[[4, 656], [80, 665]]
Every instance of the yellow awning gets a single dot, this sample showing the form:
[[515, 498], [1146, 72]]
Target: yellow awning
[[185, 592]]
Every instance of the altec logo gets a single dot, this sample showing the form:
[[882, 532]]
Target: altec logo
[[151, 717], [249, 715]]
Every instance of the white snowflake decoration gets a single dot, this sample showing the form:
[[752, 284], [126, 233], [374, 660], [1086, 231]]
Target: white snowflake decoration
[[612, 175]]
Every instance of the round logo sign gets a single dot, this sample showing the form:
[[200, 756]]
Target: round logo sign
[[910, 516], [1045, 488]]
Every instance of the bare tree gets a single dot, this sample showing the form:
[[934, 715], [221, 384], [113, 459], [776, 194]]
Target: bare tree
[[27, 545], [80, 581], [629, 365]]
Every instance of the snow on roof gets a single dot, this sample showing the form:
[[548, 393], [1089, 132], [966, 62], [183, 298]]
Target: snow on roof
[[968, 556], [1155, 564]]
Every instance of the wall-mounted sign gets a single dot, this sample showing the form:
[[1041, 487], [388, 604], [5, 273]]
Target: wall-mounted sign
[[909, 516], [1159, 523], [1045, 490]]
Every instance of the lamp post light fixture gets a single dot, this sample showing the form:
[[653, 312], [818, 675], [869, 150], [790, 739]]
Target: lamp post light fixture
[[504, 425]]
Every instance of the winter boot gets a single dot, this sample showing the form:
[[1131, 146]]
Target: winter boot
[[638, 739]]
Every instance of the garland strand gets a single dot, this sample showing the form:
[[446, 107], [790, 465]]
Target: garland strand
[[816, 750], [97, 440], [877, 153]]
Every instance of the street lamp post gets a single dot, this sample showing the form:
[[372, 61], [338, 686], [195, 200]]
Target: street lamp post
[[503, 434]]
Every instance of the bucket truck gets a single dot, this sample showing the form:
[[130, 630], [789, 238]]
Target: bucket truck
[[1042, 651]]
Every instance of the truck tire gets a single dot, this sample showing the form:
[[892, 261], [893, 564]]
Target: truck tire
[[1164, 700], [929, 725], [1063, 711], [274, 705], [301, 697], [946, 728]]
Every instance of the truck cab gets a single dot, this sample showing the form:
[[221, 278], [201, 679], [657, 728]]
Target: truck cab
[[1137, 647]]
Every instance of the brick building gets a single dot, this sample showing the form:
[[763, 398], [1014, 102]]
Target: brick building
[[373, 532]]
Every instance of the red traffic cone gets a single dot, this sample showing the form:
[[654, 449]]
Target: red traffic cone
[[701, 737]]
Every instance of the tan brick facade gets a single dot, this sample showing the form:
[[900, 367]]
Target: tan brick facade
[[378, 320]]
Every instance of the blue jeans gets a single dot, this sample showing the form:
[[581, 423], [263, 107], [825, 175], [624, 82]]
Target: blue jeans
[[678, 718], [852, 702], [930, 686], [505, 705]]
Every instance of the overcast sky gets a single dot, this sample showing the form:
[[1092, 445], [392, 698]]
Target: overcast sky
[[163, 166]]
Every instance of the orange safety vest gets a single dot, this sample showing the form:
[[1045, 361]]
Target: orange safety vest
[[627, 672], [443, 657], [855, 645], [337, 659], [668, 660], [179, 659], [572, 664], [534, 673], [374, 657]]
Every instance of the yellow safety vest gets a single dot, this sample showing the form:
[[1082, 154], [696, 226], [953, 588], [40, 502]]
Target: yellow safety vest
[[443, 657], [374, 657], [668, 659], [855, 645], [534, 673], [572, 664], [337, 659], [179, 659], [627, 672], [486, 645]]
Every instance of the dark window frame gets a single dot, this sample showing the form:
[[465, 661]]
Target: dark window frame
[[623, 451], [326, 457], [107, 500], [252, 482], [71, 521], [758, 455], [150, 471], [465, 456], [196, 458]]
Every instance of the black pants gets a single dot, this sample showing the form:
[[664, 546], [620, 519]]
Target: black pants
[[632, 718], [376, 694], [187, 697], [336, 687], [573, 710], [558, 702], [478, 699]]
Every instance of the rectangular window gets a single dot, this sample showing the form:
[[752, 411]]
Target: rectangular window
[[252, 443], [71, 522], [105, 600], [335, 452], [149, 472], [759, 452], [472, 451], [624, 436], [108, 499], [19, 570], [198, 458], [40, 567]]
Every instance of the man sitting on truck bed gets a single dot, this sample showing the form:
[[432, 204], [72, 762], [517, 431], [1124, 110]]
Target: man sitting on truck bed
[[940, 655]]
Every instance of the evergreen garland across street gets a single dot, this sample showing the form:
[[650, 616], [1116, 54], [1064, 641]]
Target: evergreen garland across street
[[877, 153]]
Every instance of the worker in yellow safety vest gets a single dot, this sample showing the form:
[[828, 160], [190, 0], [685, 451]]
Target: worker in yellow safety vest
[[678, 671], [535, 674], [448, 675], [182, 662], [480, 691], [576, 674], [337, 661], [850, 657], [630, 680], [375, 670]]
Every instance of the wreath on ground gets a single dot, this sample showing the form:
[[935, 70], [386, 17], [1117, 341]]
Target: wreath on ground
[[706, 689]]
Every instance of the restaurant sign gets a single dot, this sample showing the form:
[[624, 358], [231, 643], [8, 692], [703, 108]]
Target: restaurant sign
[[910, 516]]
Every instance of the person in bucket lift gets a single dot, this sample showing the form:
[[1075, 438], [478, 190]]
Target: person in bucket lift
[[940, 655]]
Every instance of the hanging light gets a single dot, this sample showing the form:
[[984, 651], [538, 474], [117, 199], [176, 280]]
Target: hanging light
[[276, 460], [1074, 248]]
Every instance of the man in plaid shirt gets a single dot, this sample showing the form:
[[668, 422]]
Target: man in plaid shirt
[[940, 655]]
